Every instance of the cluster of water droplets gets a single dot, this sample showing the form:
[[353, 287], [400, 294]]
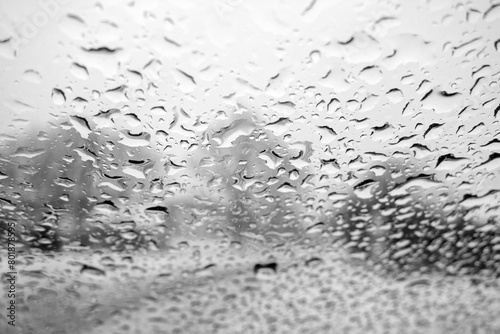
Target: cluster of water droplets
[[370, 126]]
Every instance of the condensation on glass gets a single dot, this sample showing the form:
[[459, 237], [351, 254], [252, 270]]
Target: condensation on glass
[[252, 166]]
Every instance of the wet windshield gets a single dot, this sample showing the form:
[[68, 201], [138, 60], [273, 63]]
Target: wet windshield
[[237, 166]]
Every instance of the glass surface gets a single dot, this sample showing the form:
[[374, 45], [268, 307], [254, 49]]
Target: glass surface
[[235, 166]]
